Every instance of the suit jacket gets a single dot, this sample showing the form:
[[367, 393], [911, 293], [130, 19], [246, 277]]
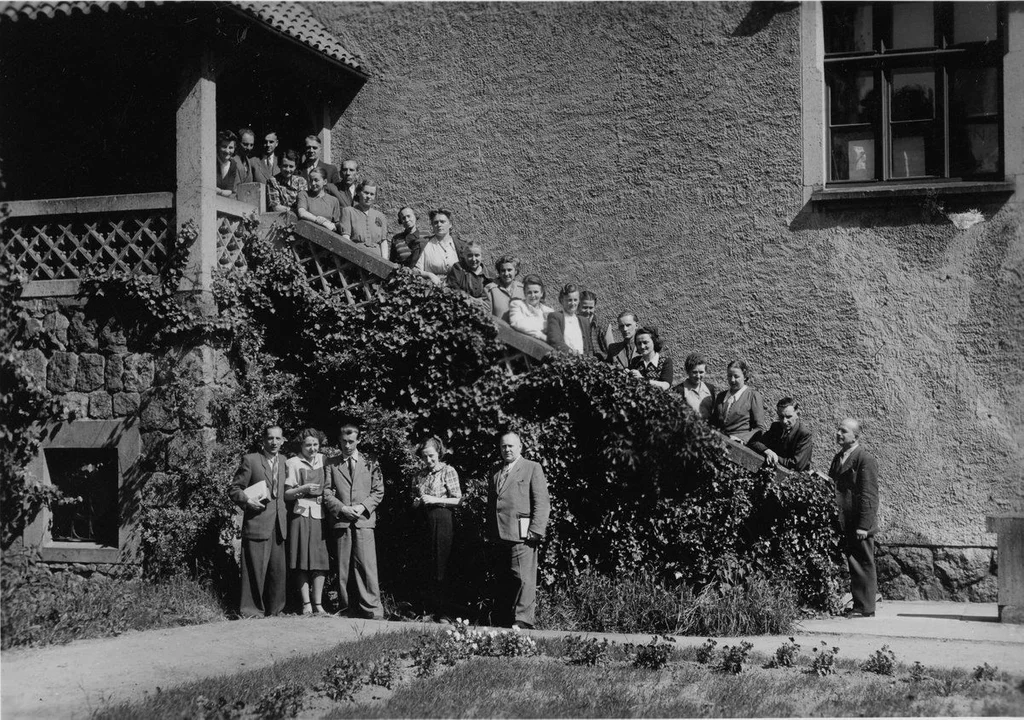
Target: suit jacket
[[556, 333], [331, 174], [260, 171], [745, 418], [856, 490], [344, 199], [621, 353], [365, 486], [462, 279], [260, 525], [794, 450], [524, 493]]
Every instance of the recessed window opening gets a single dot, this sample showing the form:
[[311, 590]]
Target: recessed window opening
[[88, 479]]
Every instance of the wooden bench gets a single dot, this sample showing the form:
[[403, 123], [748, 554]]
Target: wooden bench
[[1009, 530]]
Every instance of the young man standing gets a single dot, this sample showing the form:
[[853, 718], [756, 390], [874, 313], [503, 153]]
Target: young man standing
[[357, 489], [621, 354]]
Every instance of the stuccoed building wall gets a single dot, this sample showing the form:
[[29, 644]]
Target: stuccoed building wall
[[652, 153]]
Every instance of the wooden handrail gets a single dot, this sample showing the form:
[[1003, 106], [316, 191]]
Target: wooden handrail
[[367, 258], [91, 204], [234, 207]]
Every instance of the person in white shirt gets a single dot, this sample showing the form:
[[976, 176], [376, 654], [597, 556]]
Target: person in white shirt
[[567, 330], [439, 252], [699, 395], [529, 314], [307, 546]]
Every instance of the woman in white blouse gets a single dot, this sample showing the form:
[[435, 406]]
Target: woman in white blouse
[[307, 547], [567, 330], [529, 315]]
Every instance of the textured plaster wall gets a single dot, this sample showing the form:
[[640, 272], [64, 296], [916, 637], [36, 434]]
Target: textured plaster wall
[[652, 152]]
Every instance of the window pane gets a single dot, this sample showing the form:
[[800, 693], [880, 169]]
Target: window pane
[[974, 22], [853, 155], [913, 94], [975, 149], [88, 479], [853, 97], [914, 151], [913, 25], [974, 92], [848, 27]]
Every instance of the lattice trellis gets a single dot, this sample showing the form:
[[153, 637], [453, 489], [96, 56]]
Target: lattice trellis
[[230, 233], [334, 274], [63, 247], [516, 362]]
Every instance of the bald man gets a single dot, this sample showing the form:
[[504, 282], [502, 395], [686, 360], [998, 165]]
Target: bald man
[[855, 474], [517, 517]]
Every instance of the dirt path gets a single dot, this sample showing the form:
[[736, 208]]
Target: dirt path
[[70, 681]]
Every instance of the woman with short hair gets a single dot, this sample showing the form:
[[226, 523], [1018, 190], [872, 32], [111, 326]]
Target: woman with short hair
[[438, 493], [438, 254], [739, 411], [529, 314], [506, 287], [307, 546], [567, 330], [650, 363], [699, 395], [227, 165], [283, 189], [406, 245], [362, 223], [316, 204]]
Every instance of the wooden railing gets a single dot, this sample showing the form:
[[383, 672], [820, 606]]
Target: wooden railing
[[55, 241]]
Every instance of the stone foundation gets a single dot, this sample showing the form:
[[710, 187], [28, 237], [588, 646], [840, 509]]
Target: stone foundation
[[937, 573]]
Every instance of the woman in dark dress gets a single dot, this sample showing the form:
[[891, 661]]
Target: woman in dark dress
[[650, 364], [437, 493]]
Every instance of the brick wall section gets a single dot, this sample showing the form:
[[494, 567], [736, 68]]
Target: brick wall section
[[653, 153]]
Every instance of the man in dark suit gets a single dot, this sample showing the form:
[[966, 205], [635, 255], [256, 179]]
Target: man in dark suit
[[787, 443], [855, 474], [357, 488], [517, 518], [264, 527], [266, 165], [311, 159], [621, 354]]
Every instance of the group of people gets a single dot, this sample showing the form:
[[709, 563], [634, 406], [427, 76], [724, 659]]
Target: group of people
[[341, 202], [304, 514]]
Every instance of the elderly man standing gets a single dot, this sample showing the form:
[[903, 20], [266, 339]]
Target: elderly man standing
[[311, 159], [517, 518], [787, 443], [855, 474]]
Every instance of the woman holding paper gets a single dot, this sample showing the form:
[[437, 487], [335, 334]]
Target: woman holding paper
[[438, 492], [307, 548]]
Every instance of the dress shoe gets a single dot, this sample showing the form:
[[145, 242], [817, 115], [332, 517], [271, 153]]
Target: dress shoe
[[521, 625]]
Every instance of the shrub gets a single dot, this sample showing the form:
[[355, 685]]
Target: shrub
[[384, 671], [824, 662], [586, 651], [342, 679], [652, 656], [706, 652], [283, 701], [785, 654], [733, 657], [985, 672], [881, 662], [917, 672], [204, 708]]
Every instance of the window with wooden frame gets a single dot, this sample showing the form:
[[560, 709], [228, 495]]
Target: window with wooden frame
[[914, 91]]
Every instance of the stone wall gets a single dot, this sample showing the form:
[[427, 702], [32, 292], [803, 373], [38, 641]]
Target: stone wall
[[98, 377], [653, 153]]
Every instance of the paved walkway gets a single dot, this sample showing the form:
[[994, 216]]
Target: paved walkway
[[70, 681]]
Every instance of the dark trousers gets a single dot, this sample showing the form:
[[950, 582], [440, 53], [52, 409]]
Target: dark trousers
[[860, 558], [264, 585], [439, 544], [515, 565], [356, 552]]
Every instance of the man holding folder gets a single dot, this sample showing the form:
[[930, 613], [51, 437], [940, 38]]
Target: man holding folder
[[517, 511], [258, 488]]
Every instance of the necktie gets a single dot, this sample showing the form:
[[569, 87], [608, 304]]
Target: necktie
[[351, 470], [272, 483]]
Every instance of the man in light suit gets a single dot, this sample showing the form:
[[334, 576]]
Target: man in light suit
[[517, 517], [787, 443], [855, 474], [264, 527], [357, 488]]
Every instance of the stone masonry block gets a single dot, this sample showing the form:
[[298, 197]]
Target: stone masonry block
[[82, 332], [157, 414], [100, 405], [138, 372], [961, 567], [32, 327], [917, 563], [196, 412], [125, 403], [90, 372], [112, 336], [34, 362], [62, 372], [114, 372], [77, 405], [987, 590], [57, 326]]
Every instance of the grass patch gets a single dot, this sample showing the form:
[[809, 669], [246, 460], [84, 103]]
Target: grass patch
[[550, 685], [642, 604], [39, 608]]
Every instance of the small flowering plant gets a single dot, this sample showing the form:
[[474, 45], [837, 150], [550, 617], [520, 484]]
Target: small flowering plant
[[460, 642]]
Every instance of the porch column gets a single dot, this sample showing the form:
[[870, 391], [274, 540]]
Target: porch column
[[196, 192], [325, 135]]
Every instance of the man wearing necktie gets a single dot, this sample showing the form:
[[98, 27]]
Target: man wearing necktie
[[787, 443], [855, 474], [517, 517], [264, 526], [357, 488]]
